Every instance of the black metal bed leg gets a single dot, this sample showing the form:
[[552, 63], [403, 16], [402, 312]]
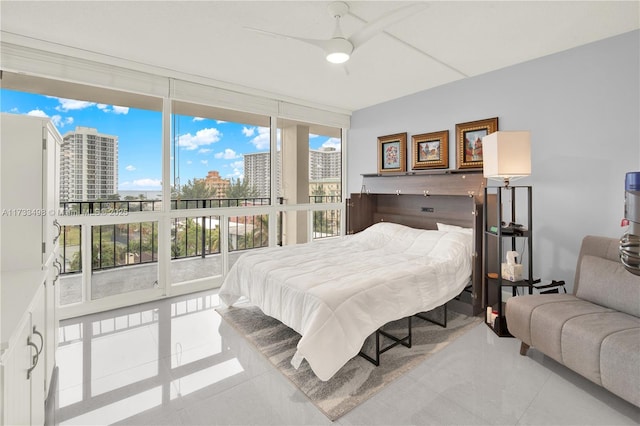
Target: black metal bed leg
[[404, 341], [441, 324]]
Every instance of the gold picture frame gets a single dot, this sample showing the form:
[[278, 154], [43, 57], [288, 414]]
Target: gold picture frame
[[430, 150], [469, 141], [392, 153]]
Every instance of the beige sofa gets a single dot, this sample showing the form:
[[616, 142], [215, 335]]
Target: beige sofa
[[596, 330]]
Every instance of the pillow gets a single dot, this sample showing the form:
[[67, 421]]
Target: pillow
[[453, 228]]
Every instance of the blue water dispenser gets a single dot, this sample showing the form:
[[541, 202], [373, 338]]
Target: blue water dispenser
[[630, 242]]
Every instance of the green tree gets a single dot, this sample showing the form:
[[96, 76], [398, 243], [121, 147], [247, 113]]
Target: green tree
[[261, 231], [187, 238], [194, 189], [240, 188]]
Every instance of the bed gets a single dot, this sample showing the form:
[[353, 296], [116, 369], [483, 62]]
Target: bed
[[335, 293]]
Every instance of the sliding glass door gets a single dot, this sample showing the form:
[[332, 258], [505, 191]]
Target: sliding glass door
[[160, 196]]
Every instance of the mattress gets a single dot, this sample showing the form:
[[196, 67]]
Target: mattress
[[336, 292]]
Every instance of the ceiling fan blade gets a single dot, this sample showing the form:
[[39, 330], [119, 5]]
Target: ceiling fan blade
[[376, 26], [323, 44]]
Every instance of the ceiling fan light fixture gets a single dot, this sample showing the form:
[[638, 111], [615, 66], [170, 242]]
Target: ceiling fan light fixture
[[339, 50]]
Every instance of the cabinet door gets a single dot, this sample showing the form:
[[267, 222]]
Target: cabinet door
[[51, 184], [22, 193], [51, 323], [17, 388], [360, 212], [38, 337]]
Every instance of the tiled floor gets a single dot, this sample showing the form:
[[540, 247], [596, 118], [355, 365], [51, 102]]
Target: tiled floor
[[176, 362]]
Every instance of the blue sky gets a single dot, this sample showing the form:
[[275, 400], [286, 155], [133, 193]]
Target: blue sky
[[203, 144]]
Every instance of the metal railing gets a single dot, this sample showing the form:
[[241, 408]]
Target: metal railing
[[70, 208], [326, 223], [135, 243]]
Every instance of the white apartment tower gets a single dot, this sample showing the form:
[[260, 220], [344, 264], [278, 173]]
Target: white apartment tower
[[324, 163], [325, 167], [257, 172], [88, 165]]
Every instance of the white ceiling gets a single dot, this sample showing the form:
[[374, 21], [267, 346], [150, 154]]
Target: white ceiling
[[446, 41]]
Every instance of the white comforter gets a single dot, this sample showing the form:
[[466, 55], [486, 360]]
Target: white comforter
[[337, 292]]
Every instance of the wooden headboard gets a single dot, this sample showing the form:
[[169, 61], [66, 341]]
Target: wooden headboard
[[454, 199]]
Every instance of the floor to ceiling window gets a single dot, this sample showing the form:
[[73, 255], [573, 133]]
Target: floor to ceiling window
[[310, 171], [109, 186], [220, 161], [160, 196]]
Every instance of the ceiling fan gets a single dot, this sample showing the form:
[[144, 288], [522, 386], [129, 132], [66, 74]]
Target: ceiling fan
[[338, 48]]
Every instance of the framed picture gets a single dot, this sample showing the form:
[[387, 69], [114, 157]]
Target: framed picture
[[430, 150], [469, 141], [392, 153]]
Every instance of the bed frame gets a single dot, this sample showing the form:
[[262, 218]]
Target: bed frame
[[420, 200]]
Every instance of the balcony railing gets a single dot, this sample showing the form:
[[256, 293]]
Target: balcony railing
[[326, 223], [135, 243]]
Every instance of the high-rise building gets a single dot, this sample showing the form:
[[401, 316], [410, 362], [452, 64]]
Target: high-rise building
[[218, 184], [257, 172], [325, 169], [88, 165], [324, 163]]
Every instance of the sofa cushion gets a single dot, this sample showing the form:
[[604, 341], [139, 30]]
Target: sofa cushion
[[548, 320], [609, 284], [518, 312], [583, 337], [620, 364]]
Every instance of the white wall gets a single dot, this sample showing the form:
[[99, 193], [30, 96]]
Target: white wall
[[582, 107]]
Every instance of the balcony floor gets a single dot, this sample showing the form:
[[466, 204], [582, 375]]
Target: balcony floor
[[124, 279]]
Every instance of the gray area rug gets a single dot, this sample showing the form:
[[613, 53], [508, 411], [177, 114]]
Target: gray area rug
[[357, 380]]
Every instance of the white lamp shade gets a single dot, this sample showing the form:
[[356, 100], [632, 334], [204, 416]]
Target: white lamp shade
[[506, 154]]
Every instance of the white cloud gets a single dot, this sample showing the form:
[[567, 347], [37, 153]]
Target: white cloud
[[120, 110], [205, 162], [72, 104], [204, 150], [189, 162], [103, 107], [263, 140], [228, 154], [333, 143], [198, 119], [235, 174], [220, 121], [130, 168], [37, 113], [57, 120], [248, 131], [202, 137], [237, 164]]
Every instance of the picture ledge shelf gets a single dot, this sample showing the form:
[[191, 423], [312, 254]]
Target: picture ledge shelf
[[468, 182], [423, 173]]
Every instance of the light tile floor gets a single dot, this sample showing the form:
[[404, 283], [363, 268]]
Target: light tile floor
[[176, 362]]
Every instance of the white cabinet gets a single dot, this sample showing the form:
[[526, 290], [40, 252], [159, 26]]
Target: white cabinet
[[23, 363], [29, 190], [29, 151]]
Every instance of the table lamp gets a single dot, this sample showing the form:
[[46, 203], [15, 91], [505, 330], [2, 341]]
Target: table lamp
[[506, 155]]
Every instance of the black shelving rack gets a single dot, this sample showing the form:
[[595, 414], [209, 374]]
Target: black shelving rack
[[496, 234]]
